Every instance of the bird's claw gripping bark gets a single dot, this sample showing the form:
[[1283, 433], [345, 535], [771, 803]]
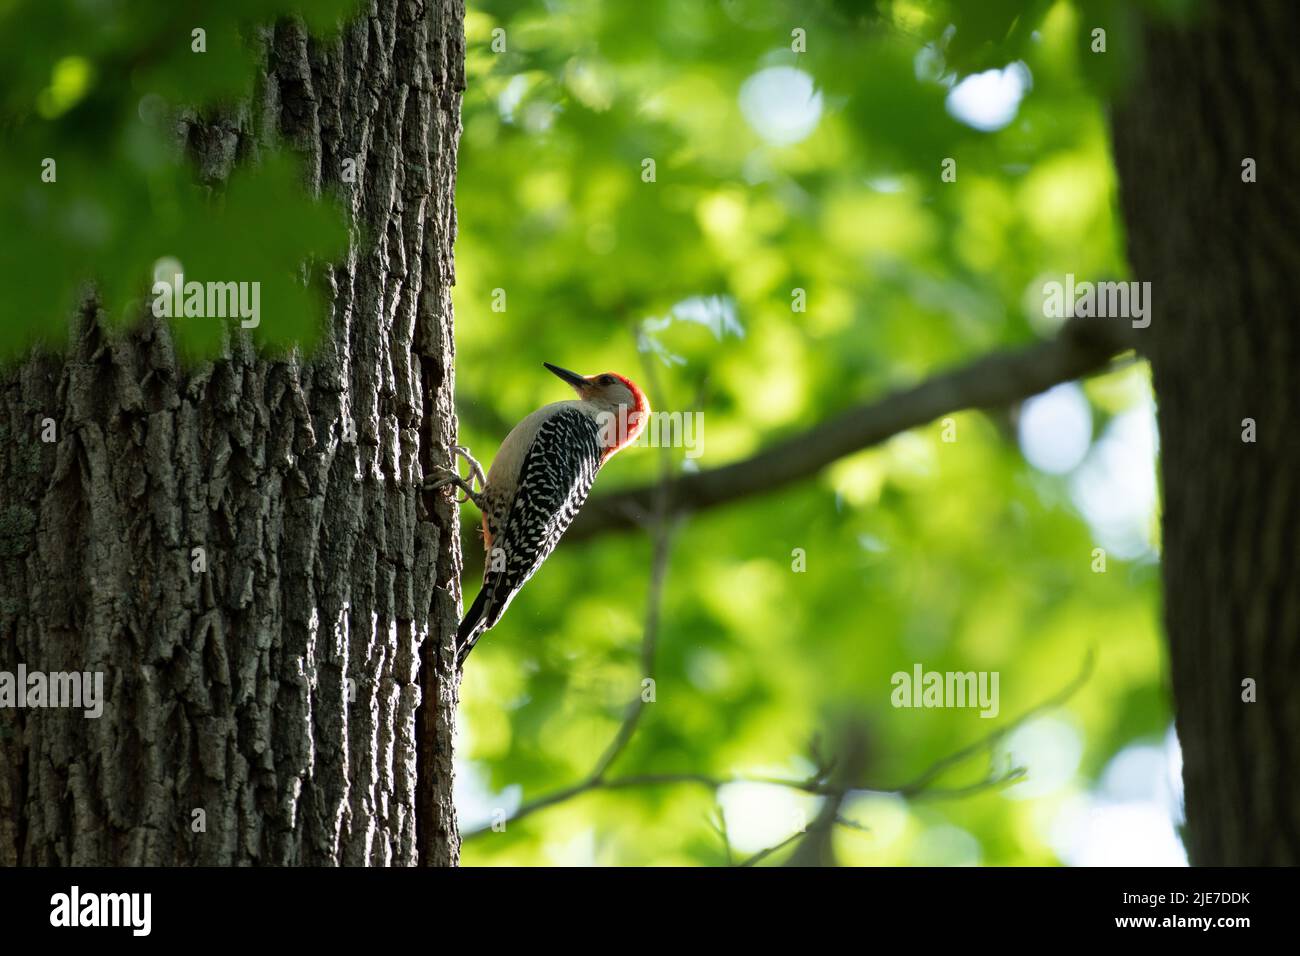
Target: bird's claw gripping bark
[[447, 476]]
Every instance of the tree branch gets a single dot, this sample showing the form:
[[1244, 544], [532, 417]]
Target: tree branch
[[921, 787], [1082, 347]]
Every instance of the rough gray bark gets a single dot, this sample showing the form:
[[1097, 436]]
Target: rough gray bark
[[229, 691], [1223, 256]]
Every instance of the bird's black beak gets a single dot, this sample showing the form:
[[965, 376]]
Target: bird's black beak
[[573, 378]]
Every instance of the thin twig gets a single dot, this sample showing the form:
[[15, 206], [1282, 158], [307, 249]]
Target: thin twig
[[919, 788], [762, 855]]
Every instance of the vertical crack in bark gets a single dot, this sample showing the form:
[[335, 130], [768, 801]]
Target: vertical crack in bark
[[433, 342]]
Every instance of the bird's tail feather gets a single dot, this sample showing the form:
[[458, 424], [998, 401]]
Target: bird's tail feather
[[471, 626]]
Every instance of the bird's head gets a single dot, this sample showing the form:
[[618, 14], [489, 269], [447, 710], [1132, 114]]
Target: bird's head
[[621, 408]]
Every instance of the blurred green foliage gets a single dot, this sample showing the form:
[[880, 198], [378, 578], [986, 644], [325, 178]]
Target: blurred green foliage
[[776, 174], [957, 555], [96, 188]]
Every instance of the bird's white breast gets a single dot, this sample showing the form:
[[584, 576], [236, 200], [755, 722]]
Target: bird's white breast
[[504, 473]]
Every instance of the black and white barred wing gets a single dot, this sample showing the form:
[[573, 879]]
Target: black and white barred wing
[[554, 481]]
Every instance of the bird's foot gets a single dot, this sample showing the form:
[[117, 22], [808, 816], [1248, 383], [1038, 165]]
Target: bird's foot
[[475, 468], [442, 477]]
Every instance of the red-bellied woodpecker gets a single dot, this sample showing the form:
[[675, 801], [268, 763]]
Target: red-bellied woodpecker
[[538, 481]]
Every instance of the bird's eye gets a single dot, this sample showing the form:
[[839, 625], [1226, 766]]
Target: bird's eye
[[607, 380]]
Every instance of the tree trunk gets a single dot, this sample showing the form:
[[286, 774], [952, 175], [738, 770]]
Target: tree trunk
[[268, 709], [1221, 255]]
